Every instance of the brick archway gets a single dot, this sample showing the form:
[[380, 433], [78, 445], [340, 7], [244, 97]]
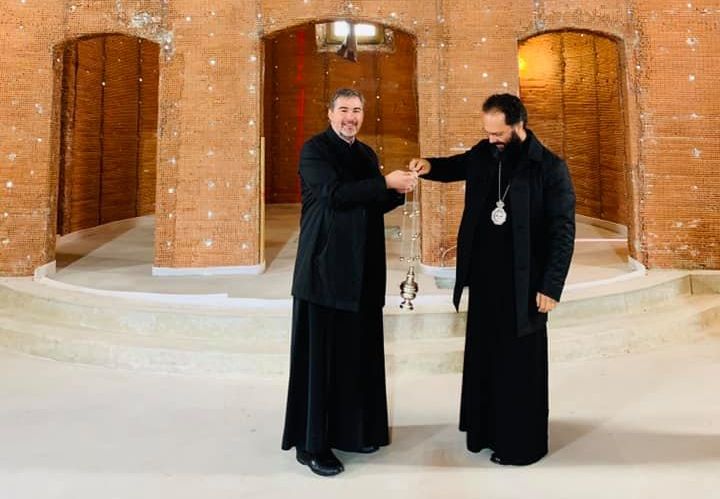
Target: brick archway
[[574, 84], [299, 78], [108, 116]]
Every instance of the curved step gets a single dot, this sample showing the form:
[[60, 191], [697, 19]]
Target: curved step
[[252, 319], [145, 353], [681, 320]]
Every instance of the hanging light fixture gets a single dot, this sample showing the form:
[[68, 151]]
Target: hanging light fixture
[[349, 49]]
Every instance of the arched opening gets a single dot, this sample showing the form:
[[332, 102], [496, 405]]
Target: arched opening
[[571, 83], [302, 70], [108, 131]]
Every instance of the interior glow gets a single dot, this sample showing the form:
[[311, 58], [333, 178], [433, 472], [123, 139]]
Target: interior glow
[[522, 64], [341, 29]]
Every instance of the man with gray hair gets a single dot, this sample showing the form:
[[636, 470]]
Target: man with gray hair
[[336, 394]]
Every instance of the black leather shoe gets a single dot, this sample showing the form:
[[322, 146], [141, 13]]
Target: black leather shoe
[[323, 464], [513, 462], [498, 460], [368, 449]]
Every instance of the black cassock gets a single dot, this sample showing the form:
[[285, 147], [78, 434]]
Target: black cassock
[[336, 392], [504, 402]]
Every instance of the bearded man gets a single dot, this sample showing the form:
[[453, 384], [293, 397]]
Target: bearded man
[[515, 244]]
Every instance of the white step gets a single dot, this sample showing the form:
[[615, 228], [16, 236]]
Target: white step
[[622, 298], [270, 319], [681, 320], [144, 353], [684, 319]]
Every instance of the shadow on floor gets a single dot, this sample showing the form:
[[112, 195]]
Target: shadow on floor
[[572, 443]]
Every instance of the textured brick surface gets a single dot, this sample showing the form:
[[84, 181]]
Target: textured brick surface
[[107, 167], [210, 100], [570, 84], [679, 157]]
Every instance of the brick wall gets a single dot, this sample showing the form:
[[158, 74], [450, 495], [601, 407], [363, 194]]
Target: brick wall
[[210, 123], [679, 152], [28, 143]]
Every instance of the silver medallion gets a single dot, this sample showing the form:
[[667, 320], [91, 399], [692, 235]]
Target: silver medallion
[[499, 215]]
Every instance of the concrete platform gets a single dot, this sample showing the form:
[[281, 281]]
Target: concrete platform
[[119, 257], [104, 307]]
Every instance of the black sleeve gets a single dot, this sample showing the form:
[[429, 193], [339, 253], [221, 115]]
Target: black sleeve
[[319, 175], [559, 206], [393, 199], [450, 169]]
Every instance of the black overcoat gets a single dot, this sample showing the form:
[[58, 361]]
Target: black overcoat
[[542, 214], [343, 196]]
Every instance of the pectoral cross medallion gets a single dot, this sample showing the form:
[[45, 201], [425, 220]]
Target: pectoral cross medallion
[[499, 215]]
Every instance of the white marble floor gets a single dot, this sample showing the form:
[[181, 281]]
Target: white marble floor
[[630, 427]]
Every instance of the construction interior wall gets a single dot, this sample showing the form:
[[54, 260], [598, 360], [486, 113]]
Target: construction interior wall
[[678, 168], [210, 114], [570, 82], [108, 131], [301, 78]]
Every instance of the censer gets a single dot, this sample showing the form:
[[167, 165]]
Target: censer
[[410, 246]]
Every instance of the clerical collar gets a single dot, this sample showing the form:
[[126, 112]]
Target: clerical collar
[[344, 139]]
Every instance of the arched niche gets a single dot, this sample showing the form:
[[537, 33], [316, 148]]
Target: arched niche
[[572, 82], [108, 118], [301, 72]]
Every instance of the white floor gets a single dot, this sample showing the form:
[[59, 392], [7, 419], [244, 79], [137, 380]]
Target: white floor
[[641, 426]]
